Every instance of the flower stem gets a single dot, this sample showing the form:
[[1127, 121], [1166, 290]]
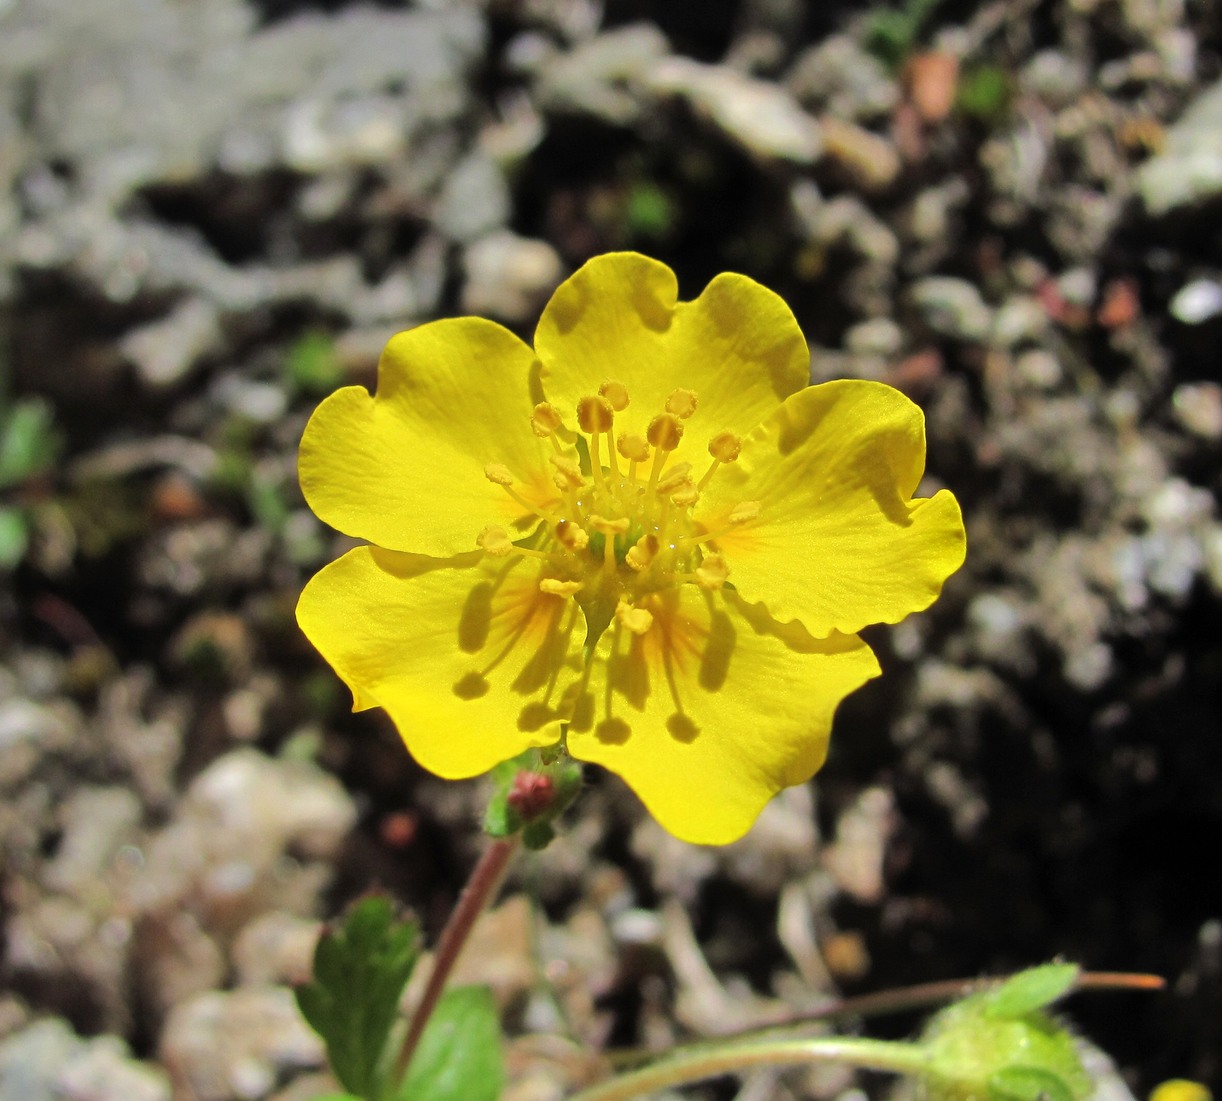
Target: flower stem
[[711, 1060], [479, 891]]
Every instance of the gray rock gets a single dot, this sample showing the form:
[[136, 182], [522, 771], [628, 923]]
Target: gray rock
[[1197, 301], [1198, 407], [843, 80], [952, 307], [603, 77], [1188, 170], [95, 822], [761, 117], [878, 336], [233, 827], [48, 1062], [474, 201], [1054, 77], [165, 351], [1020, 319], [239, 1044], [508, 277]]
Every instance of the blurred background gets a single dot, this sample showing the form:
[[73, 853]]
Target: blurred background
[[214, 212]]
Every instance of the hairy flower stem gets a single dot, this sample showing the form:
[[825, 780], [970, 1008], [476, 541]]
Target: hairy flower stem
[[711, 1060], [479, 891]]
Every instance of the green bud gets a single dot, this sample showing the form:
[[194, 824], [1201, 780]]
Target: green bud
[[1002, 1045], [530, 792]]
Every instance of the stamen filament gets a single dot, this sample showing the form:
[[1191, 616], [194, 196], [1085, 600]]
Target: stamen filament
[[596, 463], [659, 461], [611, 459], [708, 475], [543, 514]]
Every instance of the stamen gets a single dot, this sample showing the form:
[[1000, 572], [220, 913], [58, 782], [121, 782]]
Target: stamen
[[572, 536], [675, 478], [682, 403], [744, 511], [634, 448], [686, 496], [642, 552], [556, 587], [494, 541], [568, 473], [616, 393], [609, 527], [498, 473], [664, 432], [595, 414], [545, 420], [711, 574], [636, 620], [725, 447]]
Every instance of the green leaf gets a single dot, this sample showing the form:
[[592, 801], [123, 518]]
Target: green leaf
[[28, 441], [14, 537], [1027, 1084], [1030, 990], [459, 1057], [361, 966], [312, 365]]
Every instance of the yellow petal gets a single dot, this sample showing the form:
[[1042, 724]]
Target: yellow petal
[[714, 709], [617, 319], [837, 542], [406, 468], [466, 654]]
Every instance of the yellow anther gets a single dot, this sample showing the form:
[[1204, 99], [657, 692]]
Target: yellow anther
[[494, 541], [636, 620], [711, 574], [498, 473], [634, 448], [544, 420], [609, 527], [556, 587], [686, 496], [568, 473], [744, 511], [725, 447], [616, 393], [664, 432], [676, 477], [682, 403], [595, 414], [572, 536], [642, 552]]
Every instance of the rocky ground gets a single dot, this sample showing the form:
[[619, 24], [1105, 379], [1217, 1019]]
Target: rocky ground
[[214, 212]]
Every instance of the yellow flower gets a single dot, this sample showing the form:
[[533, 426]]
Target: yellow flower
[[647, 537]]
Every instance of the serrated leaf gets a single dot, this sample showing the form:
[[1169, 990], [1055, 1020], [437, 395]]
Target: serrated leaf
[[361, 966], [459, 1057], [1030, 990]]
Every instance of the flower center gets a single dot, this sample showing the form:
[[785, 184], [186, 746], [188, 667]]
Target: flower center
[[622, 527]]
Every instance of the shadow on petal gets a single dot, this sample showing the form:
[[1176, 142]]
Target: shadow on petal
[[612, 731], [718, 650], [682, 728], [471, 687], [476, 618]]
